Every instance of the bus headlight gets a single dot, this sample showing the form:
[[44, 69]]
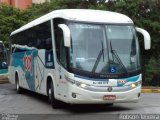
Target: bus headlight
[[79, 84], [82, 85], [133, 85]]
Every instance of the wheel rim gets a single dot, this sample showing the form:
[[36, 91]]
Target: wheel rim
[[17, 84], [49, 93]]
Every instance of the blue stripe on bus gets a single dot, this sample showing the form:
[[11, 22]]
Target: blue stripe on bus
[[130, 79], [133, 79], [3, 71]]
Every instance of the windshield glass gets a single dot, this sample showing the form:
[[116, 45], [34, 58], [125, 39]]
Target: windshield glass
[[123, 46], [3, 57], [3, 60], [104, 49], [1, 47]]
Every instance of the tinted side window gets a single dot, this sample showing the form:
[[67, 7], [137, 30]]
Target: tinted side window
[[43, 36], [38, 37]]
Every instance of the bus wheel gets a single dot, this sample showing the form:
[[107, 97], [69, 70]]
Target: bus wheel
[[54, 102], [18, 88]]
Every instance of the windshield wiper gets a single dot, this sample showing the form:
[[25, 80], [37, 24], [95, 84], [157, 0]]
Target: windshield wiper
[[114, 54], [101, 52]]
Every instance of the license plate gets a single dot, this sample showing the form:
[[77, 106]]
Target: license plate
[[109, 97]]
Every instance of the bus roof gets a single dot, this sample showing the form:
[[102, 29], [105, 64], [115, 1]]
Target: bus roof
[[85, 15]]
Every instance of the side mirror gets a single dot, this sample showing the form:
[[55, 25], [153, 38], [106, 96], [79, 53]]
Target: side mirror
[[8, 51], [66, 34], [4, 65], [147, 38]]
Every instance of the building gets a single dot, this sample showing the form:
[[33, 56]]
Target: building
[[22, 4]]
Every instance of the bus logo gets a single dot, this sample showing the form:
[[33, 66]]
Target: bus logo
[[27, 62], [109, 89]]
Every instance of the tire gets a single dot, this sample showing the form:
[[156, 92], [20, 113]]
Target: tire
[[110, 104], [53, 101], [18, 88]]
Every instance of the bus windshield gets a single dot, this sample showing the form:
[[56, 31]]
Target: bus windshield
[[105, 49], [3, 57]]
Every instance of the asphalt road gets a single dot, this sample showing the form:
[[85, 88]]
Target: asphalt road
[[36, 106]]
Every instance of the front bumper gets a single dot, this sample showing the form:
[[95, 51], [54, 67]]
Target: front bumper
[[82, 96]]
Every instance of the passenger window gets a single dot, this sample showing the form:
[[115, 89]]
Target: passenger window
[[38, 37]]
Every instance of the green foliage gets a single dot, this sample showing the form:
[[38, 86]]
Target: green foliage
[[144, 13], [152, 71], [10, 19]]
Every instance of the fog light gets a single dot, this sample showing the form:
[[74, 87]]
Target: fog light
[[74, 95]]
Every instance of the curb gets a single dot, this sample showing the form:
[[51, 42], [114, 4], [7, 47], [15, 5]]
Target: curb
[[4, 81], [150, 90]]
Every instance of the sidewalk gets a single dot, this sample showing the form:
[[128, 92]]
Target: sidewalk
[[3, 81]]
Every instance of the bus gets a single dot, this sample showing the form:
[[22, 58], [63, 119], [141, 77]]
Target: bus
[[3, 61], [79, 56]]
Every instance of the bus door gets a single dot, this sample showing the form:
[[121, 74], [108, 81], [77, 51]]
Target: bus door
[[62, 66]]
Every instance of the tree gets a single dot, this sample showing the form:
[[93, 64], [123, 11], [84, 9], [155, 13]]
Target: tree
[[10, 19]]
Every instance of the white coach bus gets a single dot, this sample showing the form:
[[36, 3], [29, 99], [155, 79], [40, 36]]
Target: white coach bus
[[79, 56]]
